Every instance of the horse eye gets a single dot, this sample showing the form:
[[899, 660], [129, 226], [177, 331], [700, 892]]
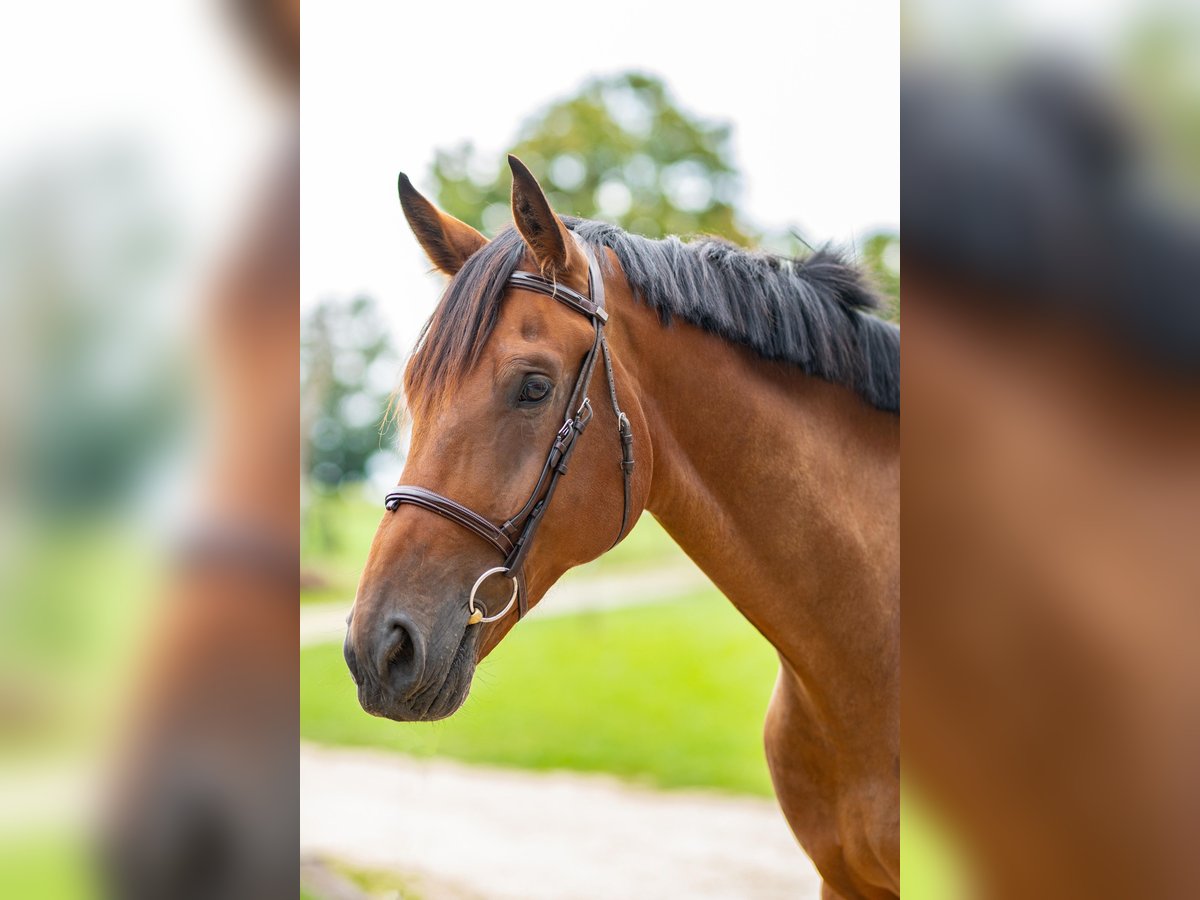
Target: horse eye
[[534, 390]]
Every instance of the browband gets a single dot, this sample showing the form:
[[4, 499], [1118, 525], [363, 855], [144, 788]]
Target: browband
[[560, 292]]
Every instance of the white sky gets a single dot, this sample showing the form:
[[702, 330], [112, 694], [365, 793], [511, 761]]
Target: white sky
[[812, 90], [1081, 27], [176, 81]]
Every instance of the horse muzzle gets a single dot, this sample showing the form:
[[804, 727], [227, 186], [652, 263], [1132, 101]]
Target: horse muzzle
[[403, 675]]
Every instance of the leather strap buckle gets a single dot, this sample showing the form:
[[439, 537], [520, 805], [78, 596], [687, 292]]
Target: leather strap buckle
[[583, 415]]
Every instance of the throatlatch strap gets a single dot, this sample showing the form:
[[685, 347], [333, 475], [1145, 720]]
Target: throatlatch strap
[[625, 433]]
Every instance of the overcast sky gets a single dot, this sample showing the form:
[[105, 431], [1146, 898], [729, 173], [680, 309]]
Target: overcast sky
[[174, 83], [810, 88]]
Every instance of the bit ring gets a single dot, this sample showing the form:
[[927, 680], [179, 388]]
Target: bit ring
[[475, 589]]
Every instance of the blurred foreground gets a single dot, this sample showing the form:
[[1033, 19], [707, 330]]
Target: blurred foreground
[[149, 230], [1051, 695]]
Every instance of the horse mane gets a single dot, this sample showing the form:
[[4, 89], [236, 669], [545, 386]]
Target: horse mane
[[1037, 187], [813, 313]]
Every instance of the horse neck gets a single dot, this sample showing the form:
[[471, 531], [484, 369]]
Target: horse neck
[[783, 488]]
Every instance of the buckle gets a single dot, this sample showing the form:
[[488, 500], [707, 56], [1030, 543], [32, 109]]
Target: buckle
[[583, 415]]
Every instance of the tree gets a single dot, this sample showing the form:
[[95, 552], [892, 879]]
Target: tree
[[881, 258], [348, 370], [90, 247], [620, 150], [1157, 68]]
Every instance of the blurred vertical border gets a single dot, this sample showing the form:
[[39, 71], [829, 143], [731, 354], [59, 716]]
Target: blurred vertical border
[[1051, 695], [148, 517]]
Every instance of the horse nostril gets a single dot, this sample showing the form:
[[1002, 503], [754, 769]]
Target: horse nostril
[[401, 656]]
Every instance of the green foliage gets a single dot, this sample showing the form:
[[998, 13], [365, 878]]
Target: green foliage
[[620, 150], [672, 694], [348, 371], [88, 245], [1159, 62], [881, 258]]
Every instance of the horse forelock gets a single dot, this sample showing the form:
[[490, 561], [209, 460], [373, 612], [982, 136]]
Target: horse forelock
[[454, 337]]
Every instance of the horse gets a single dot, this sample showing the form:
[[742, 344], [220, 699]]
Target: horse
[[1052, 684], [760, 400], [202, 795]]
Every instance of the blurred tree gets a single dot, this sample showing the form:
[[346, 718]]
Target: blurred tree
[[620, 150], [91, 391], [881, 258], [1158, 60], [347, 372]]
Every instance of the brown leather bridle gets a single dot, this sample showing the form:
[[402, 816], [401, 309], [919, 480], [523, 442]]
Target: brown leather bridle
[[514, 537]]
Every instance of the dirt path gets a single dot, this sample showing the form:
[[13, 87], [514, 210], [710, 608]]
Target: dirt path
[[326, 622], [464, 832]]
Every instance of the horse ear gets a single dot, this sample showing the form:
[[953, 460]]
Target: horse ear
[[447, 242], [552, 245]]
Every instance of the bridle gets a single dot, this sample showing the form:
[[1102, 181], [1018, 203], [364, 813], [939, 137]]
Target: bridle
[[515, 536], [235, 545]]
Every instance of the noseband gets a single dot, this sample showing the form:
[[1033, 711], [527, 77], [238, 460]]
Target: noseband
[[513, 538]]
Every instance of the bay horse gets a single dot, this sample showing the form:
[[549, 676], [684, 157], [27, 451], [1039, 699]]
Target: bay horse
[[761, 402], [201, 799], [1052, 686]]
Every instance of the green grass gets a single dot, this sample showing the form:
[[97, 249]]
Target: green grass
[[42, 864], [73, 609], [646, 545], [380, 882], [931, 863], [672, 694], [336, 534], [338, 529]]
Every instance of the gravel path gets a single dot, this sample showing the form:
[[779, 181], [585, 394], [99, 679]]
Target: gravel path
[[460, 832], [466, 832], [326, 622]]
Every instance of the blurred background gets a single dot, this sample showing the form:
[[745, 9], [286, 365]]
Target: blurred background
[[138, 141], [1051, 699], [774, 127], [145, 170]]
